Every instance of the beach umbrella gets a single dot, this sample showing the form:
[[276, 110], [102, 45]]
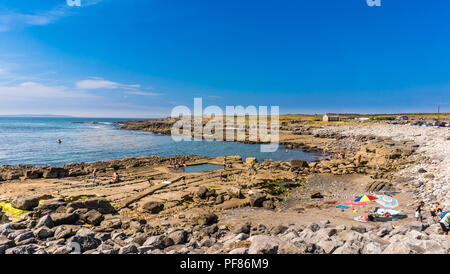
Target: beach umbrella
[[387, 201], [443, 214], [365, 198]]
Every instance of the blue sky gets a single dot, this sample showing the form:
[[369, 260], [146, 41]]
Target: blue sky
[[141, 58]]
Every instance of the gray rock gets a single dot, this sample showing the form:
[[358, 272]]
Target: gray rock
[[64, 218], [155, 242], [329, 246], [85, 232], [418, 226], [242, 228], [26, 249], [262, 244], [129, 249], [234, 192], [313, 227], [397, 248], [45, 221], [204, 218], [241, 250], [153, 207], [23, 236], [24, 202], [63, 232], [92, 217], [86, 243], [359, 228], [6, 229], [178, 237], [257, 199], [348, 248], [98, 203], [372, 248], [278, 229], [103, 236], [43, 233]]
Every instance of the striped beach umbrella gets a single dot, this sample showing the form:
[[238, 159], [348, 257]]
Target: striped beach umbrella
[[365, 198], [387, 201], [443, 214]]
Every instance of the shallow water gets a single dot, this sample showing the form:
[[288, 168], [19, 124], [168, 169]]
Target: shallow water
[[199, 168], [33, 141]]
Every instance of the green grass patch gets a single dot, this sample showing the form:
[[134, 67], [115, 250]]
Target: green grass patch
[[12, 212]]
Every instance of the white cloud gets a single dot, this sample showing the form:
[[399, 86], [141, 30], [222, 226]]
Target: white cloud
[[144, 93], [33, 90], [10, 20], [99, 83]]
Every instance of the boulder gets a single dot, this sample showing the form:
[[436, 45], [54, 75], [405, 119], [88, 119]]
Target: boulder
[[257, 197], [153, 207], [397, 248], [45, 221], [234, 192], [86, 242], [329, 246], [178, 237], [372, 248], [129, 249], [4, 219], [98, 203], [92, 217], [55, 172], [416, 225], [155, 242], [203, 218], [43, 233], [24, 202], [299, 163], [64, 218], [63, 232], [242, 228], [262, 244]]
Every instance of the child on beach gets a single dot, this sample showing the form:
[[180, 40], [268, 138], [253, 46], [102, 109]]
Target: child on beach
[[435, 211], [418, 214]]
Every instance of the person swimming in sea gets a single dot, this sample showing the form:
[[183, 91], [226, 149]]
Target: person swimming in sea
[[59, 141]]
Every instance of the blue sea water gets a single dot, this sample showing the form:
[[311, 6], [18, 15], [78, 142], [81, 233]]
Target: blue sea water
[[32, 140]]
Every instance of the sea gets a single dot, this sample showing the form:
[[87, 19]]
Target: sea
[[32, 141]]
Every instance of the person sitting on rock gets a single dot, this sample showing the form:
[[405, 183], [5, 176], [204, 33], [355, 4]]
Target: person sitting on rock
[[445, 223], [435, 210], [115, 179]]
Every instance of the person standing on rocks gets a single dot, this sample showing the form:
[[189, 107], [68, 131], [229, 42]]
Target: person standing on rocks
[[419, 216], [358, 159], [94, 174]]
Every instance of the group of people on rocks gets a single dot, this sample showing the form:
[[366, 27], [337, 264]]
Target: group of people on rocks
[[225, 164], [435, 212], [175, 165], [115, 177]]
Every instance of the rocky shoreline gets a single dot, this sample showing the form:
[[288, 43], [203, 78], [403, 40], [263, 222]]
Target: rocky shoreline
[[198, 213], [86, 226]]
